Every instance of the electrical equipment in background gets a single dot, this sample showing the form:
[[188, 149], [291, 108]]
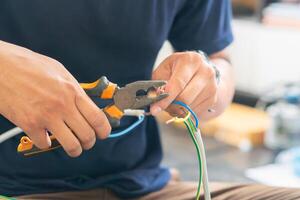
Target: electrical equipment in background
[[245, 7], [282, 104]]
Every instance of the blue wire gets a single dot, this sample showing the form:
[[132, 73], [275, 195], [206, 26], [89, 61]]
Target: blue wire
[[189, 109], [127, 130], [142, 117]]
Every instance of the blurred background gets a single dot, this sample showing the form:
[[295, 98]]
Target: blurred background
[[257, 139]]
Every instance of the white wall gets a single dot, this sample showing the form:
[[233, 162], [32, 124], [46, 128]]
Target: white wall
[[164, 52], [263, 56]]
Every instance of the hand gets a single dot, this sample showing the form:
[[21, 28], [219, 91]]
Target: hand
[[191, 80], [38, 94]]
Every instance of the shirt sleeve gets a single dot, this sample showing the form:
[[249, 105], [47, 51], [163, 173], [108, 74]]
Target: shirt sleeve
[[202, 25]]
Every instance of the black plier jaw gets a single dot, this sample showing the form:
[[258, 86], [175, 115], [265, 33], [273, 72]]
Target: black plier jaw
[[136, 95], [101, 88], [132, 96]]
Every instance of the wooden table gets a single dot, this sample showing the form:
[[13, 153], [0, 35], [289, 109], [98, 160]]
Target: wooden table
[[225, 163]]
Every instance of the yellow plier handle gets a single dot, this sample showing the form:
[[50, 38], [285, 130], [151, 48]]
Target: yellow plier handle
[[104, 89], [101, 88]]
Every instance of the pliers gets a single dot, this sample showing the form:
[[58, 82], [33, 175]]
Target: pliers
[[136, 95]]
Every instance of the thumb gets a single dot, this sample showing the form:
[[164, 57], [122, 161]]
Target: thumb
[[178, 76], [162, 72]]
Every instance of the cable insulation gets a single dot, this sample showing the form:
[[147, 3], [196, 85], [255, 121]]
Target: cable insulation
[[188, 125], [189, 109], [129, 129], [10, 133], [195, 134]]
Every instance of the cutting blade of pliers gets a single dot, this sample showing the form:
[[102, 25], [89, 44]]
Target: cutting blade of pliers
[[132, 96], [139, 94]]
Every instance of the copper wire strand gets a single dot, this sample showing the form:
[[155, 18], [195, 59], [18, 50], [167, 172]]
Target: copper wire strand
[[180, 119]]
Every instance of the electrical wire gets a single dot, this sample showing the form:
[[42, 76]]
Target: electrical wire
[[6, 198], [195, 134], [202, 164], [190, 130], [129, 129], [10, 133], [137, 113], [140, 114], [180, 103], [179, 119]]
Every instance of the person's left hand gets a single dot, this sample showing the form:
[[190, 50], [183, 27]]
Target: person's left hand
[[191, 80]]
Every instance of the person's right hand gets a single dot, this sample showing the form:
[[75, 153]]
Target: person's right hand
[[38, 94]]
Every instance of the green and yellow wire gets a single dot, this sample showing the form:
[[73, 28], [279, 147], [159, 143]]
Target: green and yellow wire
[[6, 198], [192, 130]]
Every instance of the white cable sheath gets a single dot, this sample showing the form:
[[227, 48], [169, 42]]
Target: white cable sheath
[[15, 131], [10, 133], [132, 112], [204, 165]]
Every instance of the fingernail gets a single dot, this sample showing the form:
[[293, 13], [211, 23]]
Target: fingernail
[[48, 139], [211, 110], [155, 110]]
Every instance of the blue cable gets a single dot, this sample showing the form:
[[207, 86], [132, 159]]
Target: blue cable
[[142, 117], [189, 109], [127, 130]]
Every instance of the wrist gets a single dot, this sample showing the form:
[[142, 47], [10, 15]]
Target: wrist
[[212, 65]]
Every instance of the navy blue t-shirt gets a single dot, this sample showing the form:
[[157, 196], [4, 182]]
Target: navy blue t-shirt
[[119, 39]]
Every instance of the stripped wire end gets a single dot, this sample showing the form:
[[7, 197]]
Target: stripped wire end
[[179, 119]]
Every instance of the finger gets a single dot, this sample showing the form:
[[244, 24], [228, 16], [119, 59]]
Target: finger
[[66, 138], [93, 115], [192, 90], [163, 72], [206, 93], [188, 96], [82, 129], [181, 76], [40, 138], [205, 105]]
